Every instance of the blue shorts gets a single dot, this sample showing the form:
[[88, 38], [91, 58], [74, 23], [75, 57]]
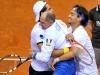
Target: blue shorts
[[67, 67]]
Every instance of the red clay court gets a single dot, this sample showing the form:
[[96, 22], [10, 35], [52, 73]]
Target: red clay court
[[17, 21]]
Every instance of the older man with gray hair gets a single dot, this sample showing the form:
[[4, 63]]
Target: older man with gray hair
[[44, 39], [37, 36]]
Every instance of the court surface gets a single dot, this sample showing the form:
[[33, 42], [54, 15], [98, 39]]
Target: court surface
[[17, 20]]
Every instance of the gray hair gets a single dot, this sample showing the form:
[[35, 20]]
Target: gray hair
[[50, 17]]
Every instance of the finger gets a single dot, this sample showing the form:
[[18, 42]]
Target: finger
[[52, 66]]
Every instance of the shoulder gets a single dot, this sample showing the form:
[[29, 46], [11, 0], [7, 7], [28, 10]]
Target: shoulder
[[80, 33], [36, 29], [36, 26], [61, 22], [63, 26], [58, 20]]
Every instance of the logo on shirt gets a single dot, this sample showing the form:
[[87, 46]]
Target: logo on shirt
[[41, 36], [48, 42], [98, 23]]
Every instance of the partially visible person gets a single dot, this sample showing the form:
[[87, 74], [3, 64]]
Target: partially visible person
[[40, 7], [37, 37], [78, 19], [94, 15], [46, 31]]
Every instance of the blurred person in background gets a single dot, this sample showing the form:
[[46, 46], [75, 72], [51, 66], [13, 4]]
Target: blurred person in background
[[94, 16]]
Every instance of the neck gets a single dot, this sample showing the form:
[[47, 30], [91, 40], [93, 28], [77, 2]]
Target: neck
[[74, 26]]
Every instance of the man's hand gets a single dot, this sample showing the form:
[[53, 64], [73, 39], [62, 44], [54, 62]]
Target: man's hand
[[69, 37], [53, 63]]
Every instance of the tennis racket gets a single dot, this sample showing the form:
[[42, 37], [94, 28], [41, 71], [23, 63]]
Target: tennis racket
[[12, 61], [88, 53]]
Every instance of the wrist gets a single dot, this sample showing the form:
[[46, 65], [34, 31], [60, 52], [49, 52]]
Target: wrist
[[56, 60]]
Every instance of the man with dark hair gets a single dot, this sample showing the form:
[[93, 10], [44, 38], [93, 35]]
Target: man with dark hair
[[94, 16], [78, 19]]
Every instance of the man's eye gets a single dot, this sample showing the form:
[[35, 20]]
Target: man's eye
[[49, 9], [42, 22]]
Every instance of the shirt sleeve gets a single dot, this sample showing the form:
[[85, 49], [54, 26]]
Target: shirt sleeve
[[46, 50], [36, 36]]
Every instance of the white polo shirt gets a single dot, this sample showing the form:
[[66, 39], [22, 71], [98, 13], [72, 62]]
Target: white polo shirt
[[82, 37], [53, 38]]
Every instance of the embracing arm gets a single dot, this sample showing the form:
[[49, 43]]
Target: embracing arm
[[74, 51], [57, 53], [46, 49]]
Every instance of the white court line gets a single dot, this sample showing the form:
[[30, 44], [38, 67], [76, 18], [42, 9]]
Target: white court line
[[3, 72], [16, 59]]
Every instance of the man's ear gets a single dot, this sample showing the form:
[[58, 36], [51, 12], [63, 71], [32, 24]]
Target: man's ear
[[79, 18]]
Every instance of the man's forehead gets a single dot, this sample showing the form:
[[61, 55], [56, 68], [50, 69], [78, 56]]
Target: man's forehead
[[47, 5], [74, 9], [43, 15]]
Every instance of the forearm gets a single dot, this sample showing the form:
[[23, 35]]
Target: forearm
[[74, 51], [67, 56], [57, 53], [43, 56]]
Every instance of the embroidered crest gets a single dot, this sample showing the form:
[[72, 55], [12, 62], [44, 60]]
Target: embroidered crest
[[48, 42]]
